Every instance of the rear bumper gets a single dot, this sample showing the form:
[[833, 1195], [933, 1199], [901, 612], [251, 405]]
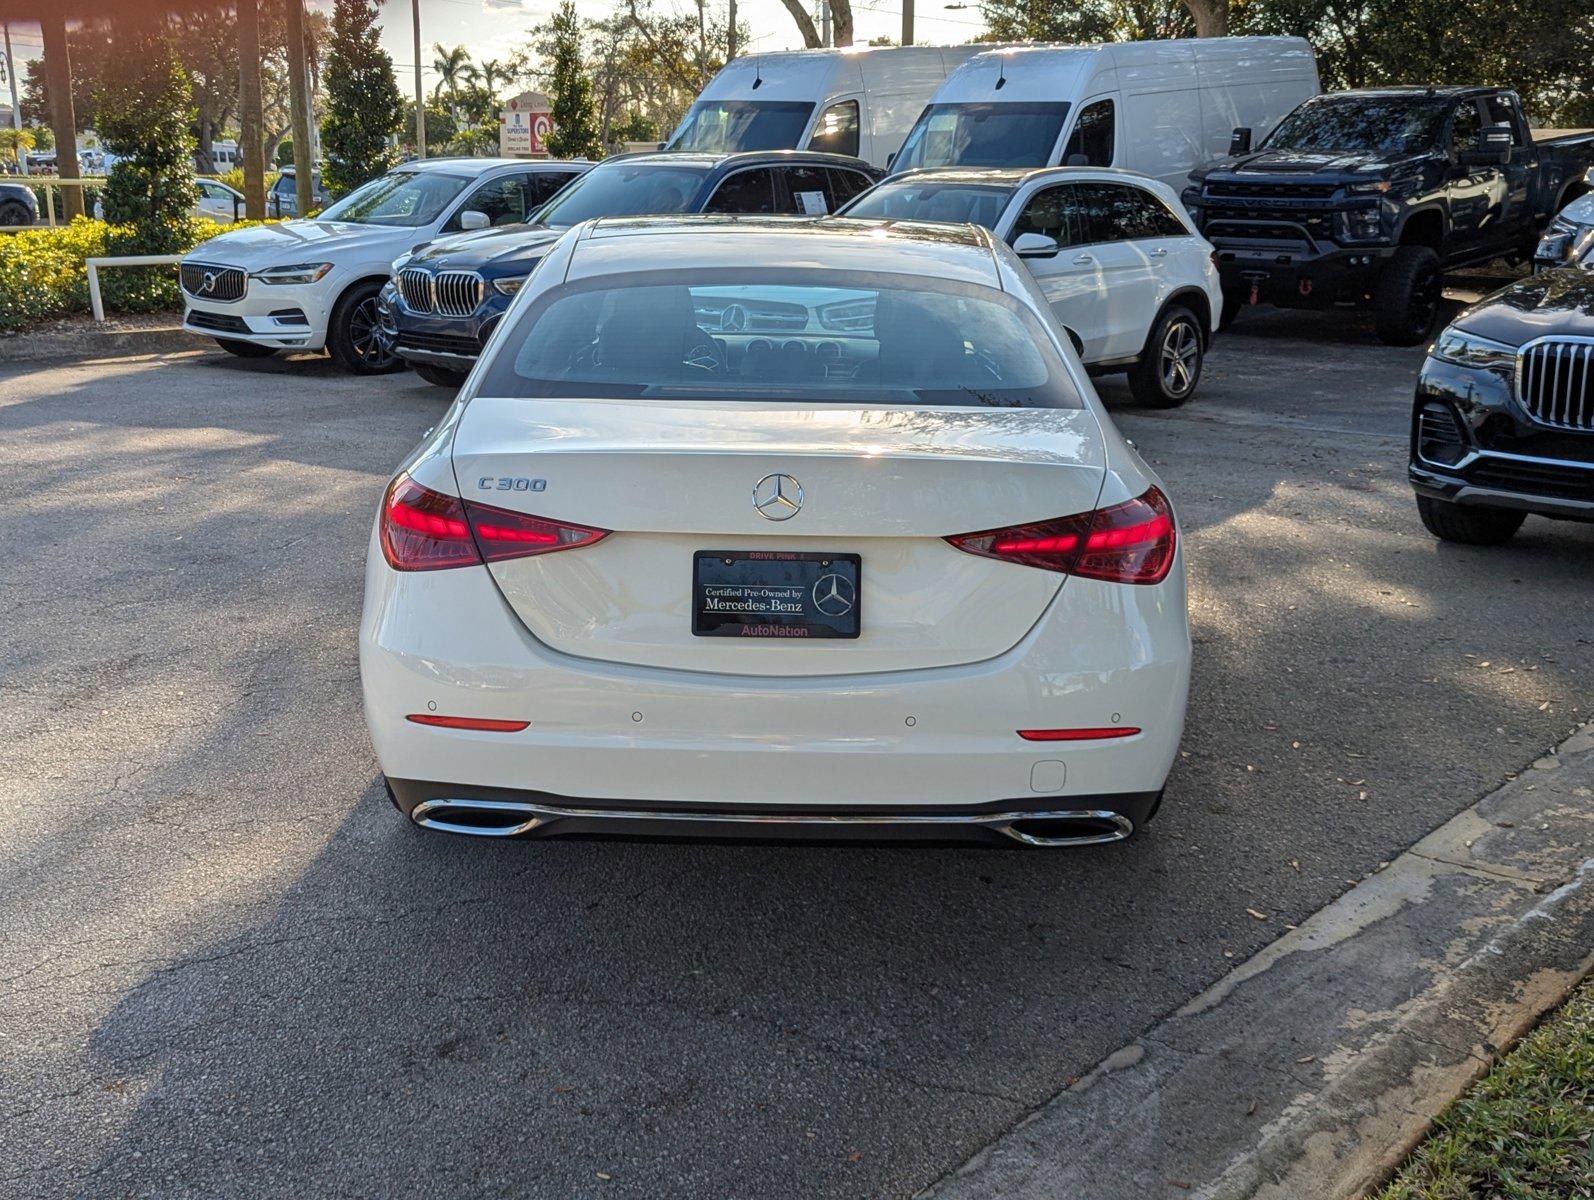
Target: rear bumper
[[1030, 821], [652, 740]]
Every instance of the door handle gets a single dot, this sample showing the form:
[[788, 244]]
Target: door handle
[[1083, 260], [1159, 252]]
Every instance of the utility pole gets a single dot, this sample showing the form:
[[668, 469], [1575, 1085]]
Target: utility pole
[[730, 36], [824, 22], [420, 96], [907, 22], [16, 107], [251, 140], [298, 110]]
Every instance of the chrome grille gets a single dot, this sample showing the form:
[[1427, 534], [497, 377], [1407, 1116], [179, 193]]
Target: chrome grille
[[415, 285], [1555, 382], [457, 293], [207, 282]]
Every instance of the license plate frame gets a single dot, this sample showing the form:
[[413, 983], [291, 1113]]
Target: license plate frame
[[777, 595]]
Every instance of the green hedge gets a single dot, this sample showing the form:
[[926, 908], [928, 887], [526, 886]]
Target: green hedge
[[42, 272]]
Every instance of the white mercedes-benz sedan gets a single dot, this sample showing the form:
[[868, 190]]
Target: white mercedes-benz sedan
[[765, 526]]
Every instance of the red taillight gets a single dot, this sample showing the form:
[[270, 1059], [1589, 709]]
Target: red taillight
[[1132, 542], [1078, 735], [484, 724], [423, 530]]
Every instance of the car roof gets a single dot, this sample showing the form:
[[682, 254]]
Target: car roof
[[1445, 92], [619, 244], [699, 158], [1013, 176]]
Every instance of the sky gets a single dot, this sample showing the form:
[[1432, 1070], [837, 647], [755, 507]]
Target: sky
[[491, 28]]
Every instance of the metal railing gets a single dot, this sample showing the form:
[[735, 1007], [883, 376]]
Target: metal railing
[[96, 303]]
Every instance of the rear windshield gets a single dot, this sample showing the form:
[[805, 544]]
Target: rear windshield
[[731, 126], [803, 335], [955, 203], [1377, 125], [622, 189], [982, 135]]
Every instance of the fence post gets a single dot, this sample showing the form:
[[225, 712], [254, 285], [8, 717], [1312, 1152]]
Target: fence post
[[96, 304]]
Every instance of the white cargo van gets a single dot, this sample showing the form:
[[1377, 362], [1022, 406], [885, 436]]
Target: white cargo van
[[1161, 108], [858, 100]]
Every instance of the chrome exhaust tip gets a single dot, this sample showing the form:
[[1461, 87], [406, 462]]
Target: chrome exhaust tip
[[1093, 827], [478, 818]]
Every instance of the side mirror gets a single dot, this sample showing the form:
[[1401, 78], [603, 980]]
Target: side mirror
[[1035, 245], [892, 157], [1493, 149], [472, 219], [1240, 140]]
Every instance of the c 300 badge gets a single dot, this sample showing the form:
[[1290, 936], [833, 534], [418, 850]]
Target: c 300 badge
[[510, 483]]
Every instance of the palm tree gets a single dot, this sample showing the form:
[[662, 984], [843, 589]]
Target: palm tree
[[453, 68], [493, 74], [16, 142]]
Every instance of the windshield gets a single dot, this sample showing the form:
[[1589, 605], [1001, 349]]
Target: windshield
[[622, 189], [954, 203], [404, 198], [1386, 125], [804, 335], [731, 126], [983, 135]]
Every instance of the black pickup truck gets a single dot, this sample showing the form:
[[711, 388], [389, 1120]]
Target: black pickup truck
[[1369, 197]]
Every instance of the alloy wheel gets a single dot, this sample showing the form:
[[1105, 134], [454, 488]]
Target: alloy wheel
[[1181, 358], [365, 335]]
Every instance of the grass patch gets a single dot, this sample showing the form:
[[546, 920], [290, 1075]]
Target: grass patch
[[1525, 1131]]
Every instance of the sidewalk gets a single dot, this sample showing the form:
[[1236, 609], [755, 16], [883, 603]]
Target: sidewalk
[[1310, 1072]]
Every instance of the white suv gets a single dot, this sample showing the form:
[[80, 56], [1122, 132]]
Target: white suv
[[305, 285], [1117, 256]]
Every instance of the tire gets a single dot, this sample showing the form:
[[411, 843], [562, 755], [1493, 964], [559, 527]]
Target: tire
[[1406, 296], [1233, 302], [1170, 366], [353, 334], [440, 376], [14, 212], [1468, 525], [244, 349]]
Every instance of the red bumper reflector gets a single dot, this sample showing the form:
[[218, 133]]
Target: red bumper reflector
[[485, 724], [1077, 735]]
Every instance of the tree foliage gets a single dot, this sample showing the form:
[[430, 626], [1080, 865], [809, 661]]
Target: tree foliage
[[1085, 22], [144, 110], [575, 126], [364, 108]]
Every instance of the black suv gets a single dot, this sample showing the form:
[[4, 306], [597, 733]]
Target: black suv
[[1503, 424], [1370, 196]]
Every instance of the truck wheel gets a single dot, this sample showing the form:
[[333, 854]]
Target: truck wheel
[[1170, 365], [244, 349], [1233, 302], [1468, 525], [1406, 296], [354, 336], [441, 376]]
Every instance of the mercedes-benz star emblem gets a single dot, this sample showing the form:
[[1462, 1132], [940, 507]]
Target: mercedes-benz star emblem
[[208, 284], [777, 497], [834, 595]]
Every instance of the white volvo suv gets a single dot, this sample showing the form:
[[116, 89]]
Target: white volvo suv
[[305, 285], [761, 524], [1119, 259]]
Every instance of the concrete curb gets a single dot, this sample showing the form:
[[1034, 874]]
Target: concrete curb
[[80, 343], [1310, 1071]]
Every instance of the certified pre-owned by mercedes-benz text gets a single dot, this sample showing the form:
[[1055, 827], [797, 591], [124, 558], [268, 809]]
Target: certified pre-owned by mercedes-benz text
[[763, 526]]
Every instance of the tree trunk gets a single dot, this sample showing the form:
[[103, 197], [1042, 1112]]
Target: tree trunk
[[1211, 17], [204, 163], [63, 122], [299, 109], [805, 23], [841, 21], [251, 141]]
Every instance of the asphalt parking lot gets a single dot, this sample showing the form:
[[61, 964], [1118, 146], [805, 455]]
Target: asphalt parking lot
[[229, 968]]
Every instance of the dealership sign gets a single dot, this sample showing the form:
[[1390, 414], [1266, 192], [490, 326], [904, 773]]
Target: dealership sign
[[524, 125]]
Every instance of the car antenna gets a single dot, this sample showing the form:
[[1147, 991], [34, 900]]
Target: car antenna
[[758, 74], [1001, 72]]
